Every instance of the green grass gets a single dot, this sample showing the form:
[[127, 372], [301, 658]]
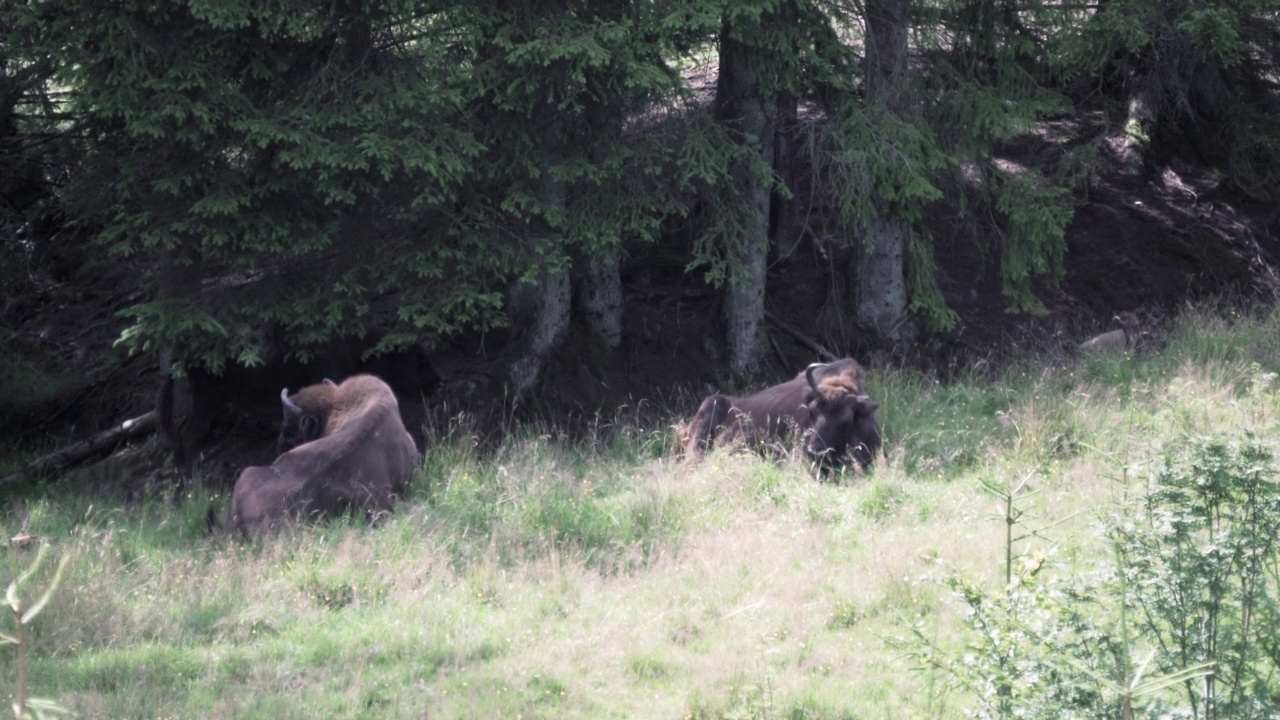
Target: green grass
[[605, 579]]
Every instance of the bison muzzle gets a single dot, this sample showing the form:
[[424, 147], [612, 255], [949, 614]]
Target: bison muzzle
[[825, 404], [343, 448]]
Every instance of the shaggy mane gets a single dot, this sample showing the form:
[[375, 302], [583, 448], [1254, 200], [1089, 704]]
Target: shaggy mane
[[836, 387]]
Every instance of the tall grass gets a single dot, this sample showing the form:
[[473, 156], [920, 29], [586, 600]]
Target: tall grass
[[603, 578]]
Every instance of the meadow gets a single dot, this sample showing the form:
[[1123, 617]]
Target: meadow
[[974, 572]]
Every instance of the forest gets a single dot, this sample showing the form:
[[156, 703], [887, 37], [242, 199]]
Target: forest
[[589, 203], [553, 227]]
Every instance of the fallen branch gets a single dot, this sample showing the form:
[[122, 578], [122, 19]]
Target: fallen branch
[[823, 353], [76, 453]]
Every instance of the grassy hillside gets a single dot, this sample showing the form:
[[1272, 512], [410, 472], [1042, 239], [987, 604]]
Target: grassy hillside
[[607, 580]]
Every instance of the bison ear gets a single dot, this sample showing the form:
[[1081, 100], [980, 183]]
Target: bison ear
[[310, 427]]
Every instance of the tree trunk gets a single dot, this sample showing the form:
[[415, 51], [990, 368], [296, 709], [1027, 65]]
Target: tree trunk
[[549, 309], [1139, 123], [744, 309], [882, 288], [742, 105], [601, 297], [1125, 76], [882, 285], [549, 303], [786, 223], [181, 411]]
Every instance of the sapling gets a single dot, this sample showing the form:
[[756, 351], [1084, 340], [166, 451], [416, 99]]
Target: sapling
[[23, 615]]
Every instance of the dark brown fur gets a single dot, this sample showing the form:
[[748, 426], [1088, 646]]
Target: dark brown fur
[[344, 448], [832, 414]]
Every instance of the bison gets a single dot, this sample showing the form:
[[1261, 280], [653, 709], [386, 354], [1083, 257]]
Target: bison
[[825, 403], [1126, 338], [343, 448]]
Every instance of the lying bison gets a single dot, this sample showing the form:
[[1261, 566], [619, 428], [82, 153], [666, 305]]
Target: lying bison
[[824, 403], [344, 448], [1124, 339]]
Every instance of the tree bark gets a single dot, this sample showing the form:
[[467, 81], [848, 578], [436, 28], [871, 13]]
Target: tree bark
[[742, 105], [601, 297], [183, 414], [549, 323], [882, 287], [550, 301], [1140, 122], [786, 223]]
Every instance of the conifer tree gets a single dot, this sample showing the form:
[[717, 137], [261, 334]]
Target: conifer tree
[[267, 164], [393, 165], [745, 100], [553, 85], [1187, 80], [881, 280]]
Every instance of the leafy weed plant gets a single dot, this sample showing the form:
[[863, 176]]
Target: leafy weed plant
[[1178, 623]]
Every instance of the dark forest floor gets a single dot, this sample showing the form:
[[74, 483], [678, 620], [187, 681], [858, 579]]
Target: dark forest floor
[[1144, 242]]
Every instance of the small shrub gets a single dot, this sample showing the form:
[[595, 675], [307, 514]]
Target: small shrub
[[1189, 602], [1202, 563]]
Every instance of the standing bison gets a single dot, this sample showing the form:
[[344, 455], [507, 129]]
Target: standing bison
[[344, 448], [824, 404]]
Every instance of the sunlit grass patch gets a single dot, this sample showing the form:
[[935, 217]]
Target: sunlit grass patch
[[880, 500], [649, 669], [533, 496], [940, 430], [1206, 336], [845, 615]]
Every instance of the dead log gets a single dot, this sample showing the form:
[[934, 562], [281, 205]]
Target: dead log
[[74, 454]]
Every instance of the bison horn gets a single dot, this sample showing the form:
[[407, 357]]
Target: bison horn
[[289, 405], [808, 374]]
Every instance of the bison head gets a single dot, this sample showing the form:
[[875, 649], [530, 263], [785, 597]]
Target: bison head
[[843, 424], [305, 415]]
